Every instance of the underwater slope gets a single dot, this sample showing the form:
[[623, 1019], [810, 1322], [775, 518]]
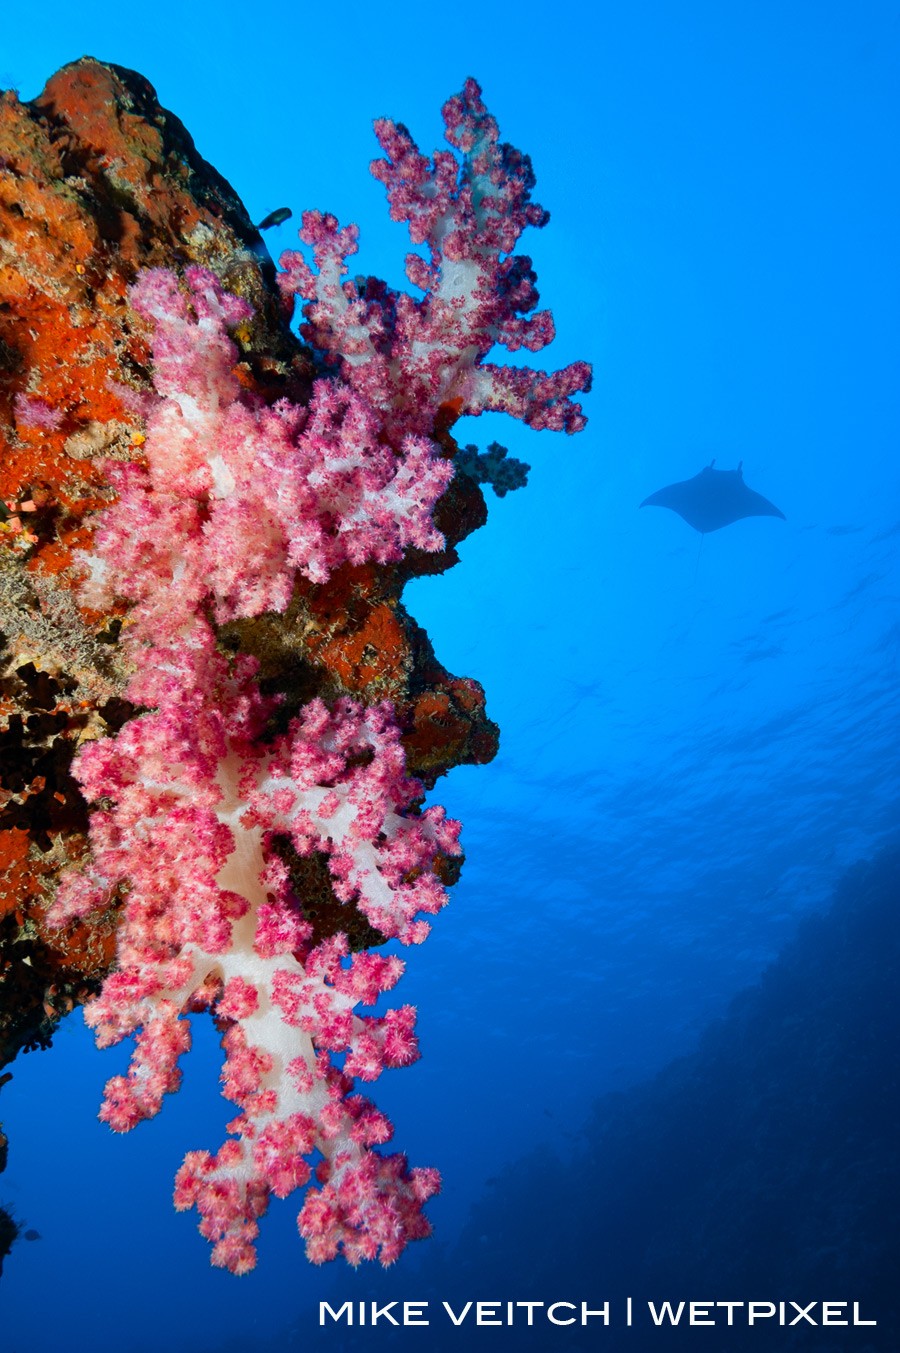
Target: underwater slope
[[761, 1167], [764, 1166]]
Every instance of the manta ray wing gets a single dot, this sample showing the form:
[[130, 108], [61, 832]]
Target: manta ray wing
[[713, 499]]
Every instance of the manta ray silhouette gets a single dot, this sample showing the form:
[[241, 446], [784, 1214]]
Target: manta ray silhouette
[[713, 499]]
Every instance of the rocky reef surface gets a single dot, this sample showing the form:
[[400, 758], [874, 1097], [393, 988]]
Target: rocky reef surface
[[98, 183]]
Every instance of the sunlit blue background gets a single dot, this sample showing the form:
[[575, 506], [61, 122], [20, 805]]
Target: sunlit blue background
[[693, 748]]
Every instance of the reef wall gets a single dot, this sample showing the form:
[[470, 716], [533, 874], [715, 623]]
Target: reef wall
[[218, 720], [98, 182]]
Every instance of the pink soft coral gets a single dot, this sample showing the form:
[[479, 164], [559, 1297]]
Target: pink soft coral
[[408, 356], [237, 500]]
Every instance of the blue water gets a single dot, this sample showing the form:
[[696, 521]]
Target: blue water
[[693, 748]]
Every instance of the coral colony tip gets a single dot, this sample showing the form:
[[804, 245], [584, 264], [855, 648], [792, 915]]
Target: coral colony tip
[[235, 501]]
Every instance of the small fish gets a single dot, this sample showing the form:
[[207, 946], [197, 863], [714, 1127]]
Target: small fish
[[31, 1234], [275, 218]]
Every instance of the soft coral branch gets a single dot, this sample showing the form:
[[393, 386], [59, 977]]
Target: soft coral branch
[[238, 501], [412, 356]]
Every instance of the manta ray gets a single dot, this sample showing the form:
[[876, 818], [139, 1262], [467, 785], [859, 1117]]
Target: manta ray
[[713, 499]]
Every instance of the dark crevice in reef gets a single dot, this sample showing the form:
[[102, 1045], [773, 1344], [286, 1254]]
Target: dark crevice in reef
[[36, 750]]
